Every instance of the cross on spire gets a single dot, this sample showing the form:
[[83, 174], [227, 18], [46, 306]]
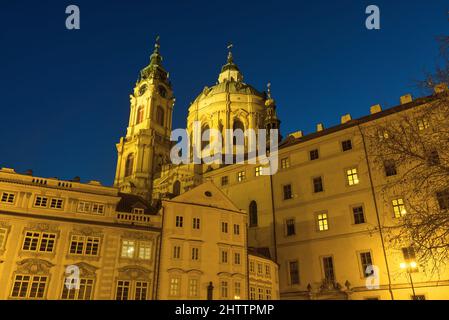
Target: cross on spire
[[230, 46], [269, 90]]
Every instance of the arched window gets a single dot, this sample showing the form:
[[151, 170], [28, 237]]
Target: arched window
[[129, 165], [238, 125], [139, 117], [253, 214], [205, 136], [177, 188], [160, 116]]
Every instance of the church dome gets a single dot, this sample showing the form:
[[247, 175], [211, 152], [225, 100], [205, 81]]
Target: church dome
[[228, 87]]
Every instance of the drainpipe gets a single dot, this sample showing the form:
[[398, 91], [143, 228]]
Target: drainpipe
[[156, 296], [274, 220]]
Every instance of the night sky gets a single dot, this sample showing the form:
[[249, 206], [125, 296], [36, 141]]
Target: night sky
[[65, 94]]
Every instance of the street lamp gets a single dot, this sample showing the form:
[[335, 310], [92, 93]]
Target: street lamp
[[410, 267]]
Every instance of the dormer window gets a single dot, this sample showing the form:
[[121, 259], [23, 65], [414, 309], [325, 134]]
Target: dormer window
[[138, 210]]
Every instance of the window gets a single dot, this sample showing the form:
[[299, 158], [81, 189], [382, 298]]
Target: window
[[253, 214], [123, 288], [140, 112], [399, 208], [346, 145], [136, 249], [177, 188], [56, 203], [241, 176], [39, 241], [352, 176], [224, 180], [141, 290], [236, 258], [409, 254], [224, 227], [236, 229], [419, 297], [129, 165], [390, 168], [174, 286], [83, 293], [251, 266], [314, 154], [196, 223], [144, 250], [29, 286], [224, 289], [128, 248], [317, 184], [433, 158], [160, 116], [84, 206], [328, 268], [267, 271], [422, 124], [176, 252], [285, 163], [260, 295], [366, 261], [195, 254], [268, 294], [258, 171], [359, 216], [290, 227], [84, 245], [3, 233], [259, 269], [138, 210], [294, 272], [179, 221], [224, 256], [237, 290], [323, 224], [252, 293], [193, 287], [442, 197], [288, 192], [98, 208], [8, 197], [41, 202]]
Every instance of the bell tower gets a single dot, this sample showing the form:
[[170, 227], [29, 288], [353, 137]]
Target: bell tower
[[146, 146]]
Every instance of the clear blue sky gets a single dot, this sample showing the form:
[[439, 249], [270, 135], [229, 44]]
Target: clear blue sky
[[65, 94]]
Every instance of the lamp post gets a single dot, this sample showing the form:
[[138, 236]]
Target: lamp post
[[410, 267]]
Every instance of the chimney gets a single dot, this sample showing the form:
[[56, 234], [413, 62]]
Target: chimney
[[346, 118], [406, 98], [375, 109], [319, 127], [441, 87]]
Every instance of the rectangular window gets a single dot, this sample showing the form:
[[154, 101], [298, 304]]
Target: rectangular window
[[267, 271], [56, 203], [141, 290], [176, 252], [145, 250], [314, 154], [251, 266], [196, 223], [236, 258], [236, 229], [237, 290], [3, 233], [442, 198], [8, 197], [193, 287], [288, 192], [422, 124], [39, 241], [323, 224], [258, 171], [84, 245], [224, 289], [285, 163], [241, 176], [366, 261], [399, 207], [346, 145], [252, 293], [41, 202], [224, 227], [123, 289], [328, 268], [290, 227], [99, 208], [29, 286], [259, 269], [83, 293], [352, 176], [260, 296], [224, 181], [174, 286], [317, 184], [224, 256], [83, 206], [390, 168], [359, 216], [179, 221], [128, 248], [195, 254], [268, 294], [294, 272]]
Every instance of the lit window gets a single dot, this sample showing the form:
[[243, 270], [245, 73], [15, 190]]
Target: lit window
[[241, 176], [39, 241], [346, 145], [174, 286], [8, 197], [422, 124], [193, 287], [41, 202], [317, 184], [179, 221], [399, 208], [84, 245], [290, 227], [285, 163], [314, 154], [288, 192], [29, 286], [366, 263], [353, 178], [56, 203], [258, 171], [145, 250], [359, 216], [128, 248], [322, 222], [84, 292]]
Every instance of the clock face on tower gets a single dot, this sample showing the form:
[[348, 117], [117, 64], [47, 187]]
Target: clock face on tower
[[142, 89]]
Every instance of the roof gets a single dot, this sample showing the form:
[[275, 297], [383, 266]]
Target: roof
[[236, 87], [130, 201]]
